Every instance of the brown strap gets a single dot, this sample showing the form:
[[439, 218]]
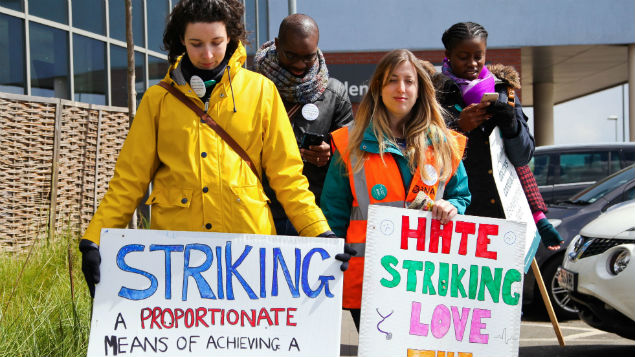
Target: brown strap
[[212, 124], [292, 111]]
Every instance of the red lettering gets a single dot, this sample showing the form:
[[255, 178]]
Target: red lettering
[[200, 315], [156, 313], [213, 312], [178, 314], [169, 311], [264, 314], [290, 316], [245, 315], [145, 316], [419, 233], [482, 241], [437, 232], [189, 318], [276, 310], [229, 317], [465, 228]]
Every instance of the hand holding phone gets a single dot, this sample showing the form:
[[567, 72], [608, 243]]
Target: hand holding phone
[[311, 139], [489, 97]]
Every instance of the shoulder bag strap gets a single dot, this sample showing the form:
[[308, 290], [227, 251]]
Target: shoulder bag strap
[[292, 111], [212, 124]]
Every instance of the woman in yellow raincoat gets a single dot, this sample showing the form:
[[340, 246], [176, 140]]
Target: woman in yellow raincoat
[[199, 182]]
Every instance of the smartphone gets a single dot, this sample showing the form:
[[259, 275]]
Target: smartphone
[[310, 139], [489, 97]]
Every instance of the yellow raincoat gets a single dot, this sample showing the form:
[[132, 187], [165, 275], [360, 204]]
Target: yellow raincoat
[[199, 182]]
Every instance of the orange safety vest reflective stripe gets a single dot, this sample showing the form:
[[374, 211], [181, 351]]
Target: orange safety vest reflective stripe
[[379, 182]]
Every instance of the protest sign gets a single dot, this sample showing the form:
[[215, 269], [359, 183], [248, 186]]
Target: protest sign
[[511, 194], [432, 289], [216, 294]]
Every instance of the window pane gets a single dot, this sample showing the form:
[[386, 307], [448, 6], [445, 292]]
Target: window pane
[[583, 167], [118, 76], [157, 68], [12, 4], [89, 62], [263, 21], [12, 70], [55, 10], [118, 68], [140, 75], [138, 31], [539, 164], [117, 14], [49, 61], [157, 15], [90, 15], [250, 25], [614, 165]]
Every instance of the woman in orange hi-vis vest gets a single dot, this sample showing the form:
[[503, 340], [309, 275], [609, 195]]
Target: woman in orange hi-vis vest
[[397, 146]]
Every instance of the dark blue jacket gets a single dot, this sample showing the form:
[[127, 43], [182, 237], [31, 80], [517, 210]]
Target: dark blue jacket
[[477, 160]]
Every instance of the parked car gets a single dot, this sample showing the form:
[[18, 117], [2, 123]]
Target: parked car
[[563, 170], [568, 217], [597, 272]]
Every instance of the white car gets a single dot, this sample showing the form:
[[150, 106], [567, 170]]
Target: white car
[[597, 274]]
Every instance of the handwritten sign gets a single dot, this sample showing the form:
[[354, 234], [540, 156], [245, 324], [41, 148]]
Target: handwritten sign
[[512, 196], [432, 289], [215, 294]]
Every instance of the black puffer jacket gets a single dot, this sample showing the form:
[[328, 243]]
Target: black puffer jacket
[[335, 111], [477, 161]]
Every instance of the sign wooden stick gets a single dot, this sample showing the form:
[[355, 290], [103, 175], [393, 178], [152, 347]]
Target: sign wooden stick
[[547, 301]]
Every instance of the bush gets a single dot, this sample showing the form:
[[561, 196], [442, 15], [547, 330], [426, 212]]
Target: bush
[[38, 314]]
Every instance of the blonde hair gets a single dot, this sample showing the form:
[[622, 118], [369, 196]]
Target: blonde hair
[[424, 126]]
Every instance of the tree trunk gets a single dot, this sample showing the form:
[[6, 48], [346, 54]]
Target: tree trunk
[[132, 95]]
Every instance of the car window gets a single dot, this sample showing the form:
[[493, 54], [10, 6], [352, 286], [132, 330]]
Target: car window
[[601, 188], [583, 166], [628, 194], [615, 164], [539, 164], [628, 157]]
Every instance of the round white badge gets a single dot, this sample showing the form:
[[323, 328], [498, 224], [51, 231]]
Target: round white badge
[[432, 174], [310, 111], [198, 85]]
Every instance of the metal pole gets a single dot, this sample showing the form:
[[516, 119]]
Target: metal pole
[[624, 139], [631, 92], [292, 7]]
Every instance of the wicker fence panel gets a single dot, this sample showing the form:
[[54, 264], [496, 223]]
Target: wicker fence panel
[[88, 141], [26, 147], [114, 128], [76, 167]]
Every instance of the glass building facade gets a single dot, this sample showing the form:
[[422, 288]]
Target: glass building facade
[[76, 49]]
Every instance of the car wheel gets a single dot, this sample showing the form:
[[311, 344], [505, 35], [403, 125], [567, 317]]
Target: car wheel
[[562, 304]]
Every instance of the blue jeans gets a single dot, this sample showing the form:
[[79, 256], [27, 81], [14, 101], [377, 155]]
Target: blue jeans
[[284, 227]]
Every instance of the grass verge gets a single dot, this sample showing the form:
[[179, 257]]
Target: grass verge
[[39, 316]]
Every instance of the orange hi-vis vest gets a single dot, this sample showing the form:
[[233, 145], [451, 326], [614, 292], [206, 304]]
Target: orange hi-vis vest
[[379, 182]]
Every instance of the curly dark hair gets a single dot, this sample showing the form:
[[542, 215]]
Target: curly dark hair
[[229, 12]]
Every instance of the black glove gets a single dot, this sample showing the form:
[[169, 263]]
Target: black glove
[[346, 256], [90, 264], [503, 113], [548, 233], [342, 257]]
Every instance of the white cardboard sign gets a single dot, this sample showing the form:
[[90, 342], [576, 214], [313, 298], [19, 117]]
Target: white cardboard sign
[[432, 289], [165, 293], [512, 196]]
